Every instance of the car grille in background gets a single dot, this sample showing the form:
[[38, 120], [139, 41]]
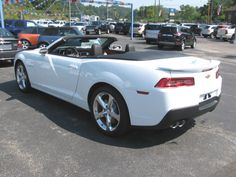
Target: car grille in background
[[8, 45]]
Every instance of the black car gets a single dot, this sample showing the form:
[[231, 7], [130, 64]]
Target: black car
[[97, 27], [196, 29], [8, 45], [122, 28], [119, 28], [176, 36]]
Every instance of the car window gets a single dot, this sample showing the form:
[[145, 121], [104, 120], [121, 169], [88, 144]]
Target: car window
[[19, 24], [8, 24], [153, 27], [185, 30], [67, 31], [40, 30], [51, 32], [168, 30], [30, 24], [27, 31], [5, 33], [136, 25]]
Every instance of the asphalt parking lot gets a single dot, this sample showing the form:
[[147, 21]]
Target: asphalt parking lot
[[45, 137]]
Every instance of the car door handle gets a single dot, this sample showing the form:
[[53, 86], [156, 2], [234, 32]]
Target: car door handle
[[73, 66]]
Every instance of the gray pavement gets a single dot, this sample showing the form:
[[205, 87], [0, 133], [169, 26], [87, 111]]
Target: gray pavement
[[43, 136]]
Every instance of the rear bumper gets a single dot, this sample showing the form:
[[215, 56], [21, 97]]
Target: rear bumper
[[8, 55], [169, 43], [187, 113]]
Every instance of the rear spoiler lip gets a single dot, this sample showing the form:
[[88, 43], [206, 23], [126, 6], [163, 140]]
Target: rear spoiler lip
[[212, 65]]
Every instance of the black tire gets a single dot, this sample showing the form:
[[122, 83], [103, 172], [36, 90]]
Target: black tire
[[118, 107], [194, 44], [117, 32], [148, 41], [212, 36], [21, 74], [232, 38], [182, 46]]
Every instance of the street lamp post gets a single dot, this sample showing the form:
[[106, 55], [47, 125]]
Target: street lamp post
[[2, 16]]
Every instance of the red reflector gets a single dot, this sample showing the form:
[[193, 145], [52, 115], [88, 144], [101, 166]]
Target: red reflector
[[175, 82], [20, 45]]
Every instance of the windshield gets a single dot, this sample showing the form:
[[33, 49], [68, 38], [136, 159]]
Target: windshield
[[153, 27], [5, 33]]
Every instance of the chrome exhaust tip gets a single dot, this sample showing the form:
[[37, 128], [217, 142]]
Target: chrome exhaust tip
[[179, 124], [175, 125]]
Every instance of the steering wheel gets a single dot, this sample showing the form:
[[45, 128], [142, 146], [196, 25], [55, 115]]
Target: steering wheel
[[72, 52]]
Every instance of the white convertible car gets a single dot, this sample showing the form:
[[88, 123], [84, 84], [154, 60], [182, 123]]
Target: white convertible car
[[122, 88]]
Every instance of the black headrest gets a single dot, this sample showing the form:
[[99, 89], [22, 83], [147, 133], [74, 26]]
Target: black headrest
[[96, 50], [129, 48]]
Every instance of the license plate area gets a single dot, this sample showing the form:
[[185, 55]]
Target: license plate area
[[6, 47]]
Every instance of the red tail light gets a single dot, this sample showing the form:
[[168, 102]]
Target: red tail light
[[19, 45], [217, 73], [175, 82]]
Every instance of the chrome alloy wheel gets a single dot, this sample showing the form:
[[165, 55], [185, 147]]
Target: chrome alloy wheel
[[21, 77], [25, 44], [106, 111]]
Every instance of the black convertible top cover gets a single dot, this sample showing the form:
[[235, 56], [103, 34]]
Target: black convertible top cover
[[143, 56]]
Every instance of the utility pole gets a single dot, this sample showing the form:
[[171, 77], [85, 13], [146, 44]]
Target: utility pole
[[107, 9], [211, 11], [2, 16], [70, 11]]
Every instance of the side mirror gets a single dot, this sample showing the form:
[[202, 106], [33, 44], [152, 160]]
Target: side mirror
[[43, 51]]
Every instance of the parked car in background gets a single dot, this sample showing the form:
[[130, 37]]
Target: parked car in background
[[45, 23], [97, 27], [138, 29], [151, 32], [176, 36], [119, 28], [81, 26], [58, 23], [216, 30], [16, 26], [196, 29], [9, 45], [29, 37], [226, 32], [51, 34], [112, 26], [208, 31]]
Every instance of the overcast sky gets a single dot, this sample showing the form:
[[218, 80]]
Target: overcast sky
[[167, 3]]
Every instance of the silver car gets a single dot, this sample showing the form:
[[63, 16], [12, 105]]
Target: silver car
[[208, 31]]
